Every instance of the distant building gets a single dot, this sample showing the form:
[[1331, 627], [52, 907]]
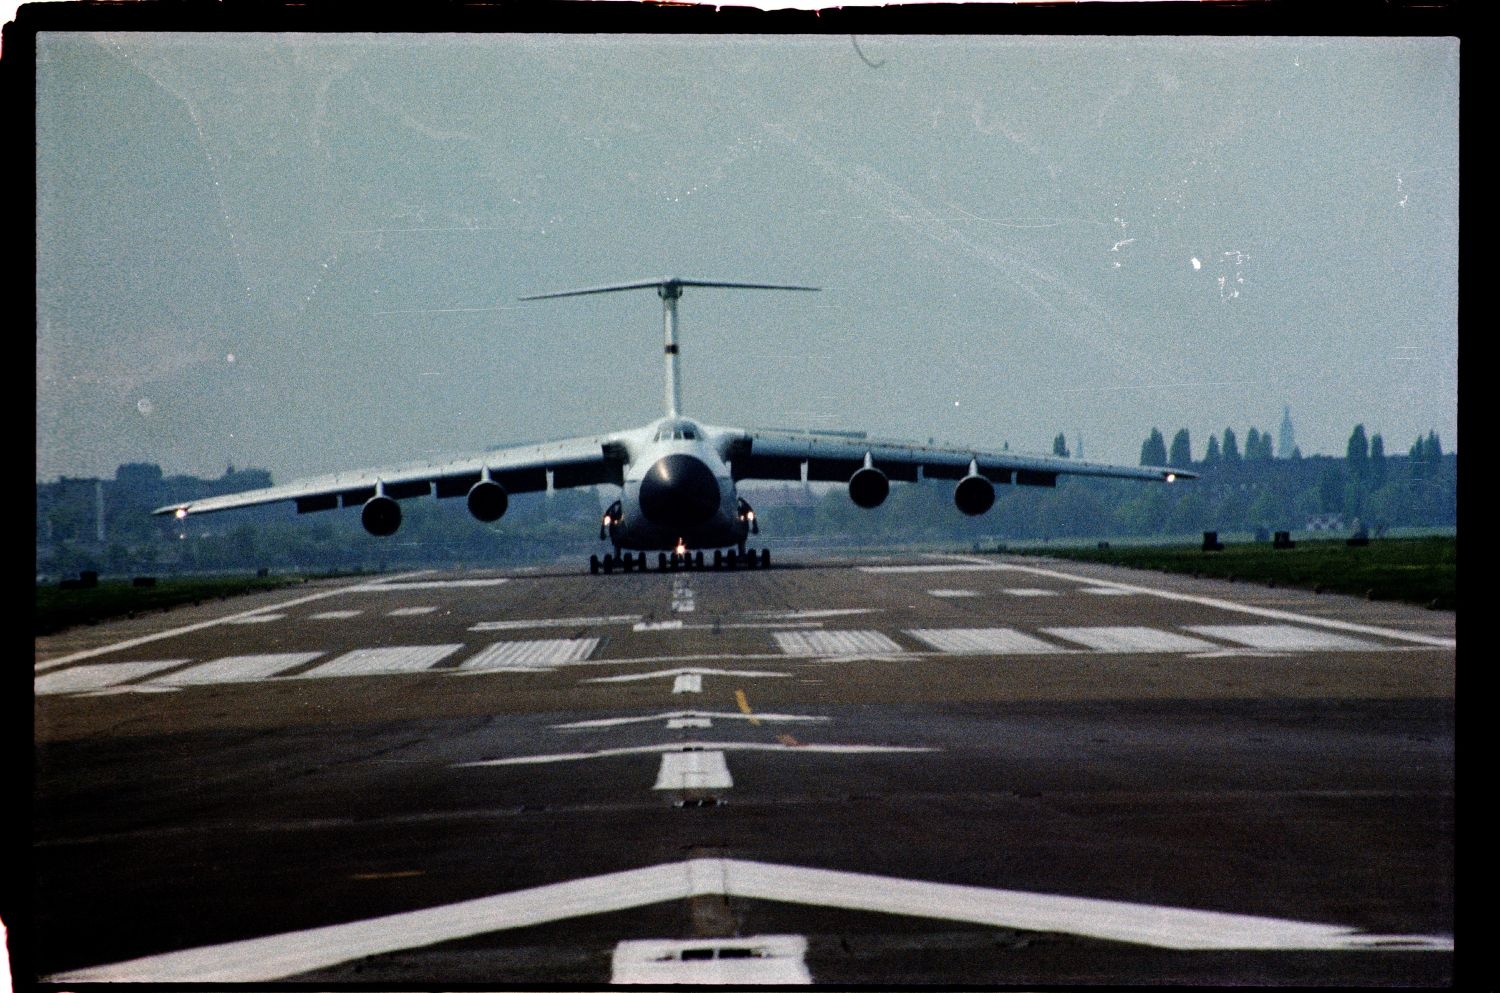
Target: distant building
[[1286, 441], [1325, 522]]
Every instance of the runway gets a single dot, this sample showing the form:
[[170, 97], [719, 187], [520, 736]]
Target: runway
[[937, 770]]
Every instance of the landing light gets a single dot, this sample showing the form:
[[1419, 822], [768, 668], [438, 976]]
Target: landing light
[[681, 547], [1171, 477], [181, 513]]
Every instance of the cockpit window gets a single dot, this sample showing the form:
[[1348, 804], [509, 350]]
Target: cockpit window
[[681, 431]]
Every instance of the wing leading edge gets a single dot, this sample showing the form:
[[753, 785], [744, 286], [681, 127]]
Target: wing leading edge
[[587, 461], [836, 457]]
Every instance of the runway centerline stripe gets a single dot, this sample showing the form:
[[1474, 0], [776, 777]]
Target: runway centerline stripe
[[379, 661], [235, 669], [1131, 639], [83, 678], [280, 956], [1244, 608], [693, 771]]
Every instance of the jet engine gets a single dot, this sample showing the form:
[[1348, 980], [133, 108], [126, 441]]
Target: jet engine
[[381, 516], [868, 487], [488, 500], [974, 495]]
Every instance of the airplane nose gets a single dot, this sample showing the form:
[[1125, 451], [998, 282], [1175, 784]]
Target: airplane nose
[[679, 491]]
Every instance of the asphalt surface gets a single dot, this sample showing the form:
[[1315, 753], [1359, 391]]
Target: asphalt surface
[[956, 770]]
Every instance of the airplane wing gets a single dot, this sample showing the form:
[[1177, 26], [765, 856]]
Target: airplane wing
[[586, 461], [835, 457]]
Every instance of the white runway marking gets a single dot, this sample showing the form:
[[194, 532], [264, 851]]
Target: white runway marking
[[1131, 639], [693, 771], [544, 654], [949, 567], [189, 628], [257, 619], [235, 669], [1268, 612], [689, 722], [425, 584], [776, 959], [409, 611], [680, 715], [379, 661], [1281, 637], [983, 641], [657, 626], [662, 673], [804, 615], [335, 615], [82, 678], [1029, 591], [688, 683], [951, 593], [1106, 591], [281, 956], [866, 642], [699, 746], [555, 622]]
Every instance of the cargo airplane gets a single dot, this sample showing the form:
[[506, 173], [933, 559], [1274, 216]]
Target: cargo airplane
[[677, 476]]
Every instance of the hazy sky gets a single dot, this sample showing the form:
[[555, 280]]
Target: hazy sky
[[303, 252]]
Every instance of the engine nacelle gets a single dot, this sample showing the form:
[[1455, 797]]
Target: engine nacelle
[[974, 495], [381, 516], [868, 487], [488, 501]]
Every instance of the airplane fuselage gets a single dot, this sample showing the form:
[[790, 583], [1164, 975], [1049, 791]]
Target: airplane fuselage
[[678, 491]]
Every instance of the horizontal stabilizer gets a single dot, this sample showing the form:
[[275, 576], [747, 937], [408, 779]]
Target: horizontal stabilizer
[[668, 284]]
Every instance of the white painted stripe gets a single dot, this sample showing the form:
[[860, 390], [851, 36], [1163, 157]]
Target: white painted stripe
[[82, 678], [409, 611], [1029, 591], [657, 626], [866, 642], [712, 746], [555, 622], [1282, 637], [235, 669], [688, 684], [609, 722], [689, 722], [1106, 591], [693, 771], [427, 584], [983, 641], [764, 960], [801, 615], [951, 593], [543, 653], [1268, 612], [189, 628], [280, 956], [374, 661], [1131, 639], [953, 567], [336, 615], [257, 619], [635, 676]]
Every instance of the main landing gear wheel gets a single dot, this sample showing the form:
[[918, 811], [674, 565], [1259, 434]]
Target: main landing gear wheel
[[594, 564]]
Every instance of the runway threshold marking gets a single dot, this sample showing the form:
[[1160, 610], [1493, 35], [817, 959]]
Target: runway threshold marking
[[776, 959], [235, 669], [543, 653], [381, 661], [1244, 608], [693, 771], [688, 682], [83, 678], [281, 956], [862, 642]]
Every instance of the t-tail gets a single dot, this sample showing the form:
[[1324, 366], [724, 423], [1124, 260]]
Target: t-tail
[[669, 290]]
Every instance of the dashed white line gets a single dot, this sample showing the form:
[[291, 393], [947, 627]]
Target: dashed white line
[[235, 669], [863, 642], [1131, 639], [256, 619], [1281, 637], [335, 615], [983, 641], [409, 611], [542, 653], [1029, 591], [380, 661], [951, 593], [82, 678]]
